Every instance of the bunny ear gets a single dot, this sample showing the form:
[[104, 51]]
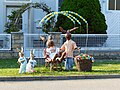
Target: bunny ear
[[73, 29], [22, 49], [42, 38], [50, 37], [18, 50], [62, 30], [31, 52]]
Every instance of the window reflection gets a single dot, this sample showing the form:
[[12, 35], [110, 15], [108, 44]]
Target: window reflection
[[114, 4]]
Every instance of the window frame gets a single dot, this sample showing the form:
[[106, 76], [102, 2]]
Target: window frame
[[18, 1], [11, 6], [115, 6]]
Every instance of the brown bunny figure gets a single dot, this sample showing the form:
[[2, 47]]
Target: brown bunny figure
[[69, 46]]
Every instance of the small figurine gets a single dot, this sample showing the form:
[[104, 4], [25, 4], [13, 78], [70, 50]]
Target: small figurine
[[22, 61], [69, 46], [31, 63], [46, 41]]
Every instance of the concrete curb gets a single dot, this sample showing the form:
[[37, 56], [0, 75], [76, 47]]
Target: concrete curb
[[48, 78]]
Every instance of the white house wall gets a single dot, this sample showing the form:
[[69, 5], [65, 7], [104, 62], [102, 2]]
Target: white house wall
[[25, 21], [113, 24], [112, 18], [1, 16]]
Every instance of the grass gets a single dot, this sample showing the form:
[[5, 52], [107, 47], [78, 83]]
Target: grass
[[10, 68]]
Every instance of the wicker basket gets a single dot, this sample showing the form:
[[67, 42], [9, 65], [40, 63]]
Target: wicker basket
[[83, 65]]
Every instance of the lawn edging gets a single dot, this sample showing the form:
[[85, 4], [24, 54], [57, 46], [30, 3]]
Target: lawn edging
[[48, 78]]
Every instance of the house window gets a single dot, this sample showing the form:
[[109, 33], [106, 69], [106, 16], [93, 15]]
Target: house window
[[114, 4], [8, 12], [19, 24], [17, 0], [59, 3]]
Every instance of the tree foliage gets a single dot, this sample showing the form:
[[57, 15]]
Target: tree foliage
[[88, 9]]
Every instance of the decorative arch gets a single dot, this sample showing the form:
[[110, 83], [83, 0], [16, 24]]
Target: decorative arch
[[69, 14], [25, 7], [14, 18]]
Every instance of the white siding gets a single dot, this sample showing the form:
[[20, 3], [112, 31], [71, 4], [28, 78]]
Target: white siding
[[113, 23], [1, 17]]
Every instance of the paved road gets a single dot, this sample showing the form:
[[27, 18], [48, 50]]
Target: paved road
[[88, 84]]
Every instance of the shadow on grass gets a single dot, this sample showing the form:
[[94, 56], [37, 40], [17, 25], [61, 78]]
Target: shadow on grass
[[8, 63], [100, 63], [108, 71]]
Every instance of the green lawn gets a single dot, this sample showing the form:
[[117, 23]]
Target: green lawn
[[106, 67]]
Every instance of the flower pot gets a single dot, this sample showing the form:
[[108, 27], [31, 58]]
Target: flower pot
[[83, 65]]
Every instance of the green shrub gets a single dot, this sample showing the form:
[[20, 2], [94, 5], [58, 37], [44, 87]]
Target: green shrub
[[89, 10]]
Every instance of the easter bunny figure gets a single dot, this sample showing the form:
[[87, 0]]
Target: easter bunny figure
[[31, 63], [22, 61], [69, 46]]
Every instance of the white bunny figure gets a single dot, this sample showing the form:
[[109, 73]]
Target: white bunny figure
[[22, 61], [31, 63]]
